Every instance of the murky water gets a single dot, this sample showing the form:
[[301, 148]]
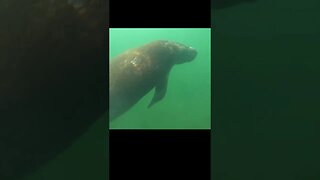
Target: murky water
[[266, 90]]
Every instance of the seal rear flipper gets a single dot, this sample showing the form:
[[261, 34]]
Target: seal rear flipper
[[160, 91]]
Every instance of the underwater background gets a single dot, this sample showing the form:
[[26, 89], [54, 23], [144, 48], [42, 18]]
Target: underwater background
[[187, 101], [266, 98], [86, 158]]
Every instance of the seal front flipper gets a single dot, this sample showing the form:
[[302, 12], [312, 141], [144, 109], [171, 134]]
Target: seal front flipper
[[160, 91]]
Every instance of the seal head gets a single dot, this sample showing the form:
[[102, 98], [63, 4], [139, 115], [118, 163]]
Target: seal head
[[181, 53]]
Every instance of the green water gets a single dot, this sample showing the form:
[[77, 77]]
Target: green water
[[187, 101], [266, 91], [86, 158]]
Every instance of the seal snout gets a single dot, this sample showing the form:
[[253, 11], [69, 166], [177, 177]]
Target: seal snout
[[193, 52], [186, 54], [189, 54]]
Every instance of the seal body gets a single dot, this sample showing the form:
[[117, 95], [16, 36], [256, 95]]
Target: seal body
[[137, 71]]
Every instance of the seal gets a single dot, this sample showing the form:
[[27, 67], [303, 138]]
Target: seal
[[137, 71]]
